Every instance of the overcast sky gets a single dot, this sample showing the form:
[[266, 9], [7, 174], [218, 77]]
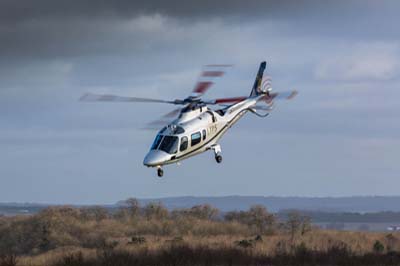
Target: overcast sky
[[340, 136]]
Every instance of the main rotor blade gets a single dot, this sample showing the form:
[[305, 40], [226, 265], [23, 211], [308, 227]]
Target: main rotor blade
[[225, 100], [284, 95], [202, 87], [164, 120], [91, 97], [230, 100], [207, 77], [267, 98]]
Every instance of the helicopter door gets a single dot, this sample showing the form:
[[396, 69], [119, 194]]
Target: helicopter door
[[184, 144]]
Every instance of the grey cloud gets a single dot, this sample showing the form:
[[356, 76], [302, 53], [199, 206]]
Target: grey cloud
[[361, 62], [25, 10], [21, 10], [47, 28]]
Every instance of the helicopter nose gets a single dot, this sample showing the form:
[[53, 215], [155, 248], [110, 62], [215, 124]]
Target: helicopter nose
[[156, 157]]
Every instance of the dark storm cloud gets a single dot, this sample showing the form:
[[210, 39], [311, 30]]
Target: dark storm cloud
[[63, 28], [20, 10], [14, 11]]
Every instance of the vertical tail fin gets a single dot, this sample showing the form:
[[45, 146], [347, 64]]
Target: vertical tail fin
[[257, 83]]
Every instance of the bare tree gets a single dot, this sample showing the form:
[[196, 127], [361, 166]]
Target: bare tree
[[293, 224], [155, 210], [134, 207], [256, 217]]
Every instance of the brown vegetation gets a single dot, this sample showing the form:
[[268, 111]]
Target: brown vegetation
[[148, 235]]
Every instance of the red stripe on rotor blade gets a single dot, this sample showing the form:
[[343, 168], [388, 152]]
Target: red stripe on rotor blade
[[201, 87], [230, 100]]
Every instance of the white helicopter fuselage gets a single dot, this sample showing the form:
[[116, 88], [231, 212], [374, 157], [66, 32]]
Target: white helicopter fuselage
[[195, 131], [199, 128]]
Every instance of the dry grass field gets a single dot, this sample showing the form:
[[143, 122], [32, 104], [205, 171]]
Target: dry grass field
[[152, 235]]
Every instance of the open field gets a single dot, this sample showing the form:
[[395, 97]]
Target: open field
[[151, 235]]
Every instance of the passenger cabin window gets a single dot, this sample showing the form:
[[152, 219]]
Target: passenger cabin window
[[184, 143], [204, 134], [196, 138]]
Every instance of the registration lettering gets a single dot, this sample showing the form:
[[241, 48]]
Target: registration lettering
[[212, 129]]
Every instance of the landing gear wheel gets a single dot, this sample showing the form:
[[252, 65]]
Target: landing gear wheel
[[217, 152], [160, 172]]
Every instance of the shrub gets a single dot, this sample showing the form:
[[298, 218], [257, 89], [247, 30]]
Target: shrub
[[392, 242], [155, 210], [95, 213], [8, 259], [72, 260], [378, 247], [203, 212], [244, 243], [258, 238], [137, 240], [256, 218]]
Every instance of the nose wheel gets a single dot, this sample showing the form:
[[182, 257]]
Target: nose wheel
[[217, 152], [218, 158], [160, 172]]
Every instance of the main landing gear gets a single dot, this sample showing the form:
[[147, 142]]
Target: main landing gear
[[160, 171], [217, 152]]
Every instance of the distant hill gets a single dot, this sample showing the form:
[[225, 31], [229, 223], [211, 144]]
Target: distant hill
[[275, 204]]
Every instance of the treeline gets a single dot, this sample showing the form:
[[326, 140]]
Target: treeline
[[200, 235], [93, 226], [316, 216], [346, 217]]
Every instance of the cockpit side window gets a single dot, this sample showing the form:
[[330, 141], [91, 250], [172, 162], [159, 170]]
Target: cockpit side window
[[204, 134], [156, 142], [196, 138], [184, 144]]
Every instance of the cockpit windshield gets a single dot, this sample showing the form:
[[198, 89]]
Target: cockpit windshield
[[156, 142], [169, 144]]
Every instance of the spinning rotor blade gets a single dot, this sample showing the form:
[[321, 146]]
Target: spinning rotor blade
[[202, 87], [285, 95], [90, 97], [267, 98], [288, 95], [164, 120], [172, 114], [207, 77], [230, 100], [266, 83]]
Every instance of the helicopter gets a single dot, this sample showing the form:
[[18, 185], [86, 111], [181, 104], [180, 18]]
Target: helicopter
[[198, 127]]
